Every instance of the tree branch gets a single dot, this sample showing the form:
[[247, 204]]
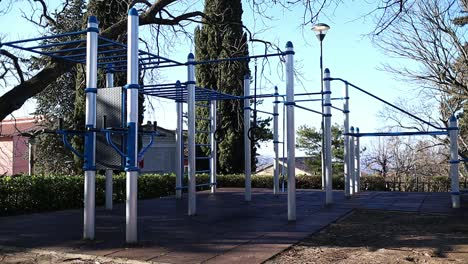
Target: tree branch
[[15, 61]]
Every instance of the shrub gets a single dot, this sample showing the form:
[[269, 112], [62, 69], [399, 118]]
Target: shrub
[[23, 194]]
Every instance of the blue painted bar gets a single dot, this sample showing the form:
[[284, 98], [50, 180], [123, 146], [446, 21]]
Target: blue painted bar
[[40, 52], [54, 44], [46, 37]]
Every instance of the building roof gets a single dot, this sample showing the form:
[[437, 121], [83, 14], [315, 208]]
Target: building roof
[[17, 126]]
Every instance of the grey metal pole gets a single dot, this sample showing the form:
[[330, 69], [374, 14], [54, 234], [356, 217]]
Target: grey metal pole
[[454, 161], [213, 156], [291, 131], [352, 171], [109, 189], [358, 163], [90, 137], [247, 142], [179, 168], [276, 189], [327, 140], [109, 173], [131, 167], [346, 140], [322, 156], [192, 203]]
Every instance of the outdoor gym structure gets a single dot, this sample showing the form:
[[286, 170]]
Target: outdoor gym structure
[[101, 53]]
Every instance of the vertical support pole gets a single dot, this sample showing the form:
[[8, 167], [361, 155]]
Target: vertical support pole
[[90, 123], [357, 154], [179, 168], [213, 156], [131, 166], [454, 161], [327, 140], [109, 189], [247, 142], [109, 76], [108, 173], [192, 202], [276, 189], [291, 131], [352, 170], [346, 140]]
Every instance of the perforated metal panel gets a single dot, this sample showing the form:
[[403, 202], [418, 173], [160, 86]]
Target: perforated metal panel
[[109, 104]]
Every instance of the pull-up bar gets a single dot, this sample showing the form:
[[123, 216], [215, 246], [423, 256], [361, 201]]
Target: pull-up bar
[[385, 102], [395, 134]]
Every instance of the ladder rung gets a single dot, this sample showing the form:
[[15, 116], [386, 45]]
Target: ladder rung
[[203, 131], [203, 118], [203, 105], [199, 145], [203, 158], [198, 185]]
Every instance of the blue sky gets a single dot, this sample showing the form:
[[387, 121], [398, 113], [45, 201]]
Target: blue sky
[[348, 52]]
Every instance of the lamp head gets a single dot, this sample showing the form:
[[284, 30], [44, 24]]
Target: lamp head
[[320, 30]]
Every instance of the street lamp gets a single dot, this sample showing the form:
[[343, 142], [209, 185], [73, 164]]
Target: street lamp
[[321, 30]]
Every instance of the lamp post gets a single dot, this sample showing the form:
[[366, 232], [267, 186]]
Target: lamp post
[[321, 30]]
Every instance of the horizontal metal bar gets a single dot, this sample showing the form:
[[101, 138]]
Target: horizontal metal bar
[[46, 37], [41, 53], [198, 185], [395, 134], [202, 171], [202, 145], [307, 100], [304, 94], [336, 108], [202, 158], [385, 102], [261, 111], [308, 109], [203, 131], [239, 58], [57, 44]]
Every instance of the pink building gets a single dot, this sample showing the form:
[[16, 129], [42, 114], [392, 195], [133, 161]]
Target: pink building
[[14, 149]]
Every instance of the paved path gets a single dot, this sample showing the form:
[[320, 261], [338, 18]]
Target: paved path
[[225, 230]]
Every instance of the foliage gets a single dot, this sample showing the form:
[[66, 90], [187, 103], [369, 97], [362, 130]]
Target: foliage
[[309, 139], [58, 99], [25, 194], [65, 97], [223, 37]]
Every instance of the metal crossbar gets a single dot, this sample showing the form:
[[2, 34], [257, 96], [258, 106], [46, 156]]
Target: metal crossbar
[[385, 102], [393, 134], [109, 52]]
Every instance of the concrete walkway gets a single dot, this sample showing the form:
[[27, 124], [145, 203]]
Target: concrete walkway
[[226, 229]]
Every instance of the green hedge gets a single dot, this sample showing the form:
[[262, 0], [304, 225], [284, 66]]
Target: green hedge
[[24, 194]]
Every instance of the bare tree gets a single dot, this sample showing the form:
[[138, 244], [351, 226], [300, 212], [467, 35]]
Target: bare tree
[[432, 36], [168, 19]]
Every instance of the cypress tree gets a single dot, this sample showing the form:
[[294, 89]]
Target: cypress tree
[[222, 37]]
